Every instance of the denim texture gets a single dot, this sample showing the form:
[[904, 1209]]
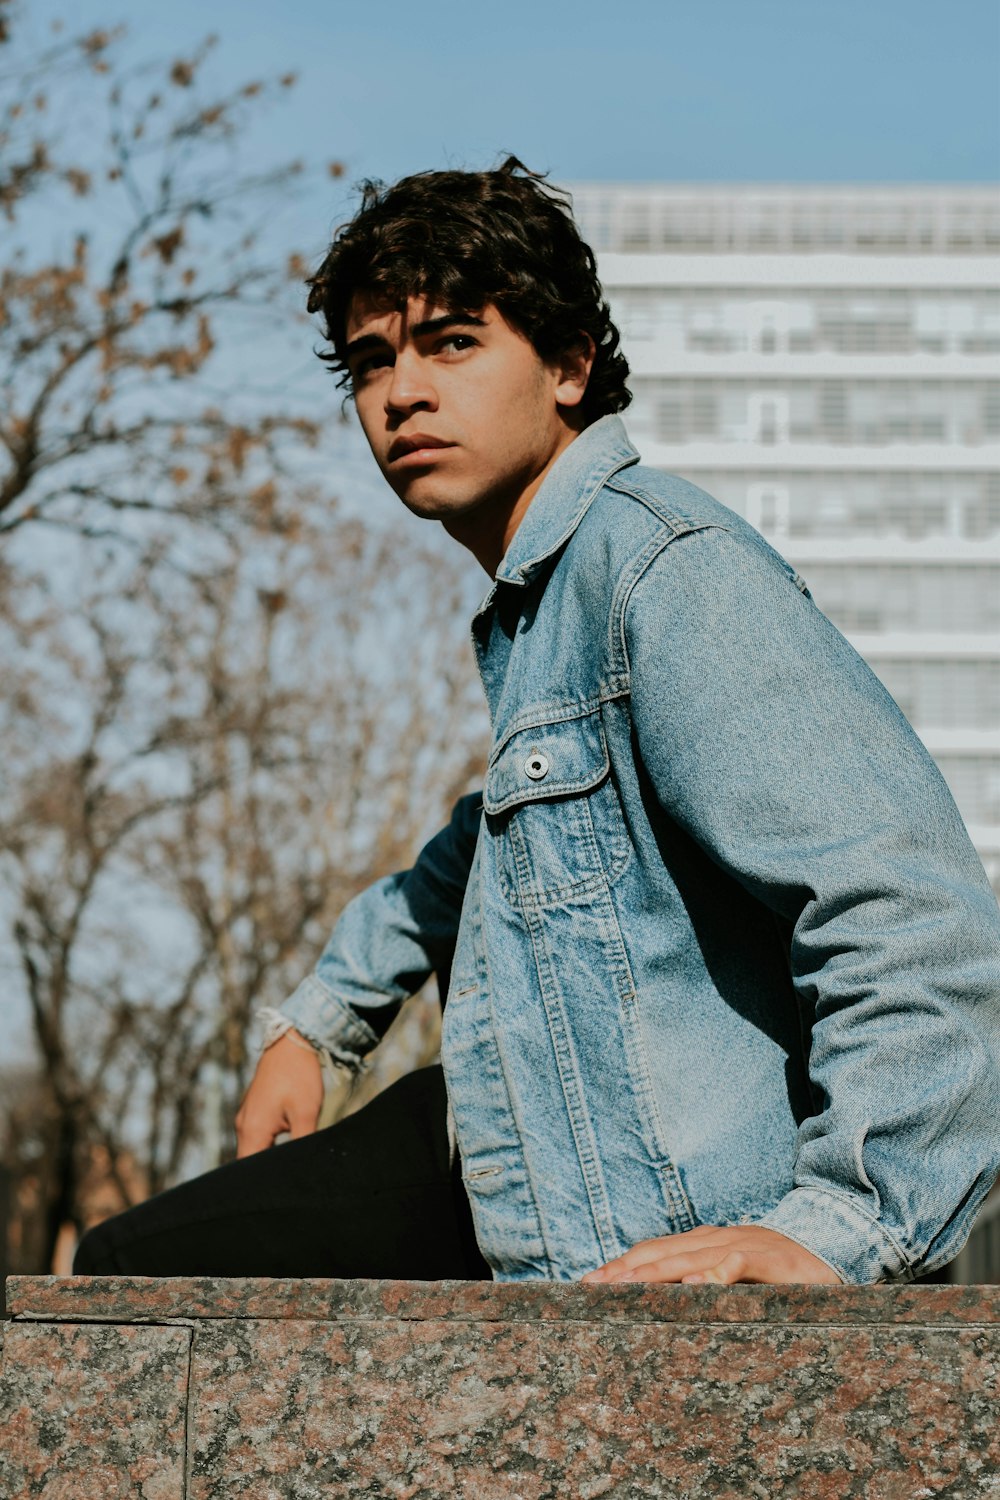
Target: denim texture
[[723, 950]]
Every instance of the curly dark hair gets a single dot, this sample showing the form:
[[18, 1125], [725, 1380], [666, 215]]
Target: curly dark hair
[[467, 239]]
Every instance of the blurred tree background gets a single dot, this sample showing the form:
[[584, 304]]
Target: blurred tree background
[[228, 704]]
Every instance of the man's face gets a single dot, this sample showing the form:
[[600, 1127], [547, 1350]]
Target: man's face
[[461, 412]]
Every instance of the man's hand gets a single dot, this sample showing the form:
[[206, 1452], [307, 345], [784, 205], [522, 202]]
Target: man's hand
[[737, 1252], [285, 1094]]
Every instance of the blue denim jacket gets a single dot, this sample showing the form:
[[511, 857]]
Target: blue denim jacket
[[724, 952]]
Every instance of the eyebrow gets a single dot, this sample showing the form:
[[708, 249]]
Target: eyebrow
[[417, 331]]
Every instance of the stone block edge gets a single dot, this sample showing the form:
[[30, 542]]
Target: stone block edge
[[181, 1299]]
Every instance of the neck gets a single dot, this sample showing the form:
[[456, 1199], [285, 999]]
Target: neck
[[488, 530]]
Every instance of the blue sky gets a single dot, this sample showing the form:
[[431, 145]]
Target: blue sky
[[641, 90], [723, 90]]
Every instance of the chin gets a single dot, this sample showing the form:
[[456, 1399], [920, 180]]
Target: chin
[[433, 506], [428, 509]]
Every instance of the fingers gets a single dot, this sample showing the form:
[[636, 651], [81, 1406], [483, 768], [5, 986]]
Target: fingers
[[285, 1095], [257, 1128], [734, 1267], [650, 1252], [724, 1254], [712, 1262], [302, 1119], [247, 1142], [255, 1132]]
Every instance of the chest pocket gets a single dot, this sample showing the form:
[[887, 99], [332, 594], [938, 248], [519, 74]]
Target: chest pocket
[[553, 815]]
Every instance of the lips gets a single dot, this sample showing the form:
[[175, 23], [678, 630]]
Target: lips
[[413, 443]]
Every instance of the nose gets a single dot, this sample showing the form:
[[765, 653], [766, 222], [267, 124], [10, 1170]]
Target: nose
[[411, 387]]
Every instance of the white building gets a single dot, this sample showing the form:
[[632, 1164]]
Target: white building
[[825, 361]]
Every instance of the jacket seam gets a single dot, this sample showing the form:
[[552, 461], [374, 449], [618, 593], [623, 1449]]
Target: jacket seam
[[506, 1074], [525, 569], [678, 524], [641, 565], [570, 1079], [351, 1026], [562, 712], [906, 1260]]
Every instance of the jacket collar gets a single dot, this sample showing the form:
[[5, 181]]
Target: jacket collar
[[564, 495]]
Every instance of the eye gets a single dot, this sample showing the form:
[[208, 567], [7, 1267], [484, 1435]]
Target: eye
[[458, 342], [369, 362]]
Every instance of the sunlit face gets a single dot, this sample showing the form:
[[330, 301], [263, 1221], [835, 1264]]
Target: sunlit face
[[460, 411]]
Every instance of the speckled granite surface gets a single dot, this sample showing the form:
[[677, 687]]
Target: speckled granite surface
[[213, 1390], [94, 1410], [157, 1299]]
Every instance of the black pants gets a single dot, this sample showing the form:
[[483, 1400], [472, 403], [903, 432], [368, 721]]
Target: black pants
[[373, 1195]]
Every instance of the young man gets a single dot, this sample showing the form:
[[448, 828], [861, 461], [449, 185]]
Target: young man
[[725, 968]]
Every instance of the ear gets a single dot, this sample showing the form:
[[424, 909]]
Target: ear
[[573, 371]]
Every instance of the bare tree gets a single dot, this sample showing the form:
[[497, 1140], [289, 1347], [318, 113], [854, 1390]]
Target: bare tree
[[226, 706], [128, 267], [231, 767]]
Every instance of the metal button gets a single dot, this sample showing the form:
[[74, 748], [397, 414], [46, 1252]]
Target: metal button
[[536, 766]]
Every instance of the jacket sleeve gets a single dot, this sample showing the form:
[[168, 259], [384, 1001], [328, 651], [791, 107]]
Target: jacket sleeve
[[770, 740], [386, 943]]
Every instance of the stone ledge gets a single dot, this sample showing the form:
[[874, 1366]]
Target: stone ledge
[[145, 1299], [205, 1389]]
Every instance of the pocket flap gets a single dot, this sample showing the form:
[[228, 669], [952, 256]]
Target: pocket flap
[[547, 760]]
